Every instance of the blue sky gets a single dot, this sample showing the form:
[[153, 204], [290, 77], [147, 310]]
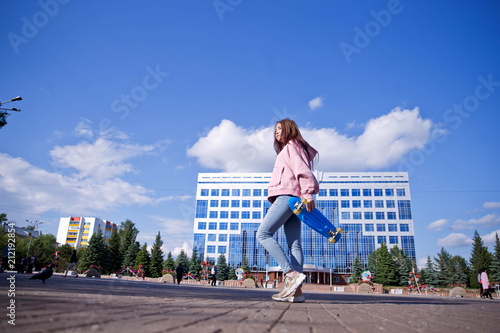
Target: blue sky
[[125, 102]]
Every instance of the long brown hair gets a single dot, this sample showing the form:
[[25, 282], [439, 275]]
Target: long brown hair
[[290, 131]]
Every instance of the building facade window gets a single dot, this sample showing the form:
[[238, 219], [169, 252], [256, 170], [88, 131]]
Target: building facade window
[[404, 209]]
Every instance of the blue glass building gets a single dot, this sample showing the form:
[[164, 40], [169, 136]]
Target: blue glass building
[[371, 208]]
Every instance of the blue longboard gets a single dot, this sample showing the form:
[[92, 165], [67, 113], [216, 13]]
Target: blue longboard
[[315, 219]]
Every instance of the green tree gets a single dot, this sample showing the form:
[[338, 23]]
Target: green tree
[[244, 264], [385, 267], [156, 267], [195, 264], [231, 274], [429, 274], [480, 258], [44, 246], [222, 269], [356, 269], [97, 254], [372, 262], [3, 118], [169, 263], [460, 270], [402, 265], [444, 272], [114, 249], [495, 262], [127, 235], [64, 256], [131, 254], [183, 259], [143, 259]]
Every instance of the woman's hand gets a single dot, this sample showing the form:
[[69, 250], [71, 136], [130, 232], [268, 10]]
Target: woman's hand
[[310, 205]]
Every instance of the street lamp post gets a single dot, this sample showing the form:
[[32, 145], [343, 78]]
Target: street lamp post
[[35, 226], [4, 112], [18, 98]]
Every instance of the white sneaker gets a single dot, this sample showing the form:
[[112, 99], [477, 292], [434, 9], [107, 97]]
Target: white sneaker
[[295, 297], [293, 283]]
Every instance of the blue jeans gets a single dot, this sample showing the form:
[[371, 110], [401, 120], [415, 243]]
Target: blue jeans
[[279, 215]]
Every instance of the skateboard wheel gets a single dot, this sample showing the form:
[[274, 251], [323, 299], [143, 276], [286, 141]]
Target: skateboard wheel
[[331, 240], [339, 230]]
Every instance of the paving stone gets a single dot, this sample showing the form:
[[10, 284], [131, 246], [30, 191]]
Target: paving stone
[[119, 305]]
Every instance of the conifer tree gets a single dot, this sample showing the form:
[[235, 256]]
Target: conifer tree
[[444, 273], [156, 266], [480, 258], [372, 262], [127, 235], [131, 254], [495, 262], [231, 274], [195, 264], [430, 275], [356, 269], [403, 265], [169, 263], [97, 254], [244, 264], [114, 249], [385, 267], [183, 259], [222, 269], [459, 270], [143, 259]]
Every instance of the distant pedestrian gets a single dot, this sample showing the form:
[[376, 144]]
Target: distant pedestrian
[[22, 265], [31, 263], [72, 264], [5, 258], [480, 284], [486, 285], [262, 283], [179, 270], [213, 274]]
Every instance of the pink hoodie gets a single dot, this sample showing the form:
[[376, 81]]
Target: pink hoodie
[[292, 173]]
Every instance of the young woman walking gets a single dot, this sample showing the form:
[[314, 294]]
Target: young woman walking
[[291, 176]]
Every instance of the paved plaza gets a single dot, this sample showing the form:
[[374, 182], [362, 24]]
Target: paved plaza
[[111, 305]]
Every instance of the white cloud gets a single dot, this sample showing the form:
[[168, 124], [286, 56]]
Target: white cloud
[[455, 240], [489, 220], [490, 239], [177, 232], [84, 129], [94, 186], [316, 103], [186, 246], [101, 159], [421, 262], [385, 140], [491, 205], [232, 148], [438, 225]]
